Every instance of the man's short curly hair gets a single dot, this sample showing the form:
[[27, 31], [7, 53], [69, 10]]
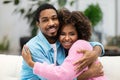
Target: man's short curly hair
[[43, 7]]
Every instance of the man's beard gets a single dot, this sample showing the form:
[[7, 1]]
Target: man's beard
[[53, 37]]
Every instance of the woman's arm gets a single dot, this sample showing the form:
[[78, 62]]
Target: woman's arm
[[53, 72]]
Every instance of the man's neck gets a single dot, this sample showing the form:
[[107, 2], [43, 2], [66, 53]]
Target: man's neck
[[52, 40]]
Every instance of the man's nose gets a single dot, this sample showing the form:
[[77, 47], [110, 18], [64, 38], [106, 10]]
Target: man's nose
[[51, 22]]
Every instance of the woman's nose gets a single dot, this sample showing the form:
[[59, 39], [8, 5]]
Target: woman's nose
[[67, 38]]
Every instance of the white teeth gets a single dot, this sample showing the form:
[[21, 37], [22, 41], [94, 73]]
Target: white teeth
[[67, 43], [52, 29]]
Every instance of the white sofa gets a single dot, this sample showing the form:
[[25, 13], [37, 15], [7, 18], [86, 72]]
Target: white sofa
[[10, 66]]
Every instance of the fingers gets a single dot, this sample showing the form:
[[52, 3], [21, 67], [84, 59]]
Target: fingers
[[80, 65], [81, 51], [80, 61], [101, 72], [100, 65], [25, 50]]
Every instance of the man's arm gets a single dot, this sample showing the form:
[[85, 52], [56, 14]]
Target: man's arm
[[89, 56], [57, 72], [101, 47]]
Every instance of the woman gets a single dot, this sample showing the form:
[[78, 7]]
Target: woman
[[75, 29]]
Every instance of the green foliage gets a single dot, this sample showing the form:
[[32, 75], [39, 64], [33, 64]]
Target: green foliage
[[4, 45], [7, 1], [72, 2], [94, 13], [29, 13], [62, 3]]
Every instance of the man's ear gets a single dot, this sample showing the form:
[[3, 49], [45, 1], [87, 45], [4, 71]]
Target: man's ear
[[37, 23]]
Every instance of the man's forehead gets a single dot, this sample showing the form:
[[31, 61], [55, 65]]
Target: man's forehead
[[48, 12]]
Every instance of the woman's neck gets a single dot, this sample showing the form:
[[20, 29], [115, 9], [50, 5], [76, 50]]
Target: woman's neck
[[66, 52]]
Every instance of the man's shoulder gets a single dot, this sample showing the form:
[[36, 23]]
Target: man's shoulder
[[33, 40], [36, 43], [33, 43]]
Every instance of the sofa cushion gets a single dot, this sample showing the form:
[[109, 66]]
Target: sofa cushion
[[10, 67], [111, 66]]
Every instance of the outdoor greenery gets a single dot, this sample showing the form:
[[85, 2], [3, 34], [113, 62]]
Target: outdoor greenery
[[94, 13], [4, 44], [29, 13]]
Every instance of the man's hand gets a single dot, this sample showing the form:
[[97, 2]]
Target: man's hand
[[88, 58], [94, 70]]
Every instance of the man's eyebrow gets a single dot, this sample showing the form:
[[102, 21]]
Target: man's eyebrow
[[43, 17], [54, 16]]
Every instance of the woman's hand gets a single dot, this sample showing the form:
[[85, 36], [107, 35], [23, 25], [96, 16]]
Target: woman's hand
[[27, 56]]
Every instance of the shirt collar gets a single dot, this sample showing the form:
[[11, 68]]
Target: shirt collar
[[45, 41]]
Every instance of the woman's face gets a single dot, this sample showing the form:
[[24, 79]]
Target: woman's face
[[68, 36]]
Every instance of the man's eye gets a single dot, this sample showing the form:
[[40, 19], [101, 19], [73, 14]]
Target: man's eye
[[45, 20]]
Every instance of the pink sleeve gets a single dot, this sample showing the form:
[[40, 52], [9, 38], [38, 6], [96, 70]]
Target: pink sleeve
[[66, 70]]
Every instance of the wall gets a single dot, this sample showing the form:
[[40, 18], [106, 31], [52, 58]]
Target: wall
[[14, 26], [118, 18], [107, 25]]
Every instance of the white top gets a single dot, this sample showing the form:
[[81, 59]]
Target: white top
[[55, 52]]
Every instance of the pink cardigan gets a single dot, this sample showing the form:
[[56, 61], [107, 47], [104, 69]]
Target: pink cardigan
[[65, 71]]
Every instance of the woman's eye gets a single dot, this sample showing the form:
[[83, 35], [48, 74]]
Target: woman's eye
[[72, 34], [62, 33]]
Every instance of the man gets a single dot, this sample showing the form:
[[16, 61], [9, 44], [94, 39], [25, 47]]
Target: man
[[46, 48]]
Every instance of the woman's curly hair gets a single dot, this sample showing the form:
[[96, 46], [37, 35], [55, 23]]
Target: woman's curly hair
[[82, 24], [78, 20]]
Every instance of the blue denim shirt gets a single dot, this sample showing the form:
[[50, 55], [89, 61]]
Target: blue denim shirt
[[42, 52]]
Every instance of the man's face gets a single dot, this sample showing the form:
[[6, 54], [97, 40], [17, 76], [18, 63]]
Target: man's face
[[48, 22]]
